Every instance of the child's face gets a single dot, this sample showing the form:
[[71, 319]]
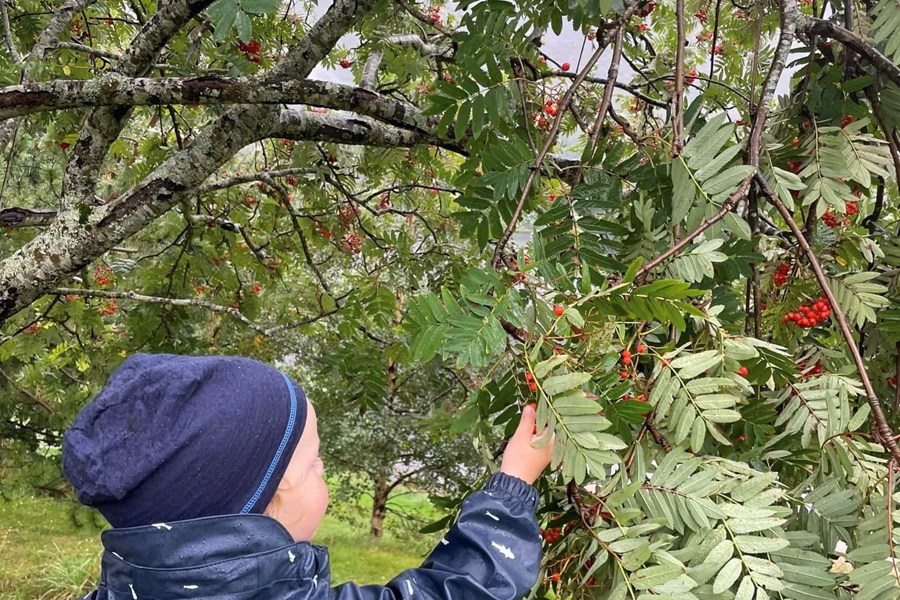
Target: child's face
[[302, 496]]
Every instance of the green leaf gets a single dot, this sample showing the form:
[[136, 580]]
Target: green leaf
[[260, 7], [561, 383], [727, 576]]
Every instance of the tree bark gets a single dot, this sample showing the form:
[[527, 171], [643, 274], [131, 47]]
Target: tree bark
[[379, 506]]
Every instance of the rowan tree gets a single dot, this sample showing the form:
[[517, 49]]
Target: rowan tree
[[677, 239]]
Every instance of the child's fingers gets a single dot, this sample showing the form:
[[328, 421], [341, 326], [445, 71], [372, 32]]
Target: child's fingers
[[526, 422]]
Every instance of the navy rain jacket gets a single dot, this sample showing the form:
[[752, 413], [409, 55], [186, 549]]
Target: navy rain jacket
[[492, 552]]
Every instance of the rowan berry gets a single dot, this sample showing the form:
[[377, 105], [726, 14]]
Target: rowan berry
[[743, 371], [532, 386], [558, 310], [641, 348], [529, 376], [623, 374], [565, 66]]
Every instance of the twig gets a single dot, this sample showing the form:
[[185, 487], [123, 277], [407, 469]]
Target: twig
[[7, 34], [233, 312], [884, 431], [730, 203], [421, 17]]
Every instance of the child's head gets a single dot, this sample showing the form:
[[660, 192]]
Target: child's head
[[178, 437]]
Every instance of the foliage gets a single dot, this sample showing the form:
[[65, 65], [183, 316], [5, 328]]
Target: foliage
[[629, 275]]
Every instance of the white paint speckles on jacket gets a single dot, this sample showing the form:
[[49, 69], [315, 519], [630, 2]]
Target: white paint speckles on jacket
[[491, 553]]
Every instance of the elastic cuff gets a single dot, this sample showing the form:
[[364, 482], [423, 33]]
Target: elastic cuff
[[512, 487]]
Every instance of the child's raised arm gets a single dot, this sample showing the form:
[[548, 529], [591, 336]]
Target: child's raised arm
[[494, 549]]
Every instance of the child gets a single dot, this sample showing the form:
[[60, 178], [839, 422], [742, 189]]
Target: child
[[208, 470]]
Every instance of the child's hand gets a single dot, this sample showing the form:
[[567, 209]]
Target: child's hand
[[521, 459]]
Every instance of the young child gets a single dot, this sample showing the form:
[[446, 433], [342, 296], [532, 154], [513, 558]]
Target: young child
[[207, 468]]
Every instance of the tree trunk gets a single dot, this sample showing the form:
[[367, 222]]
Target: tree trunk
[[379, 506]]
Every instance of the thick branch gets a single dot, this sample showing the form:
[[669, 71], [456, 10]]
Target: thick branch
[[678, 92], [115, 90], [73, 241], [104, 124], [884, 431], [826, 28], [789, 13]]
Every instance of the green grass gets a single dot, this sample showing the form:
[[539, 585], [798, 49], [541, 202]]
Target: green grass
[[51, 549]]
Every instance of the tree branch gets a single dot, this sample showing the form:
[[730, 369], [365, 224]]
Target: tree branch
[[7, 34], [72, 241], [25, 217], [884, 431], [730, 203], [826, 28]]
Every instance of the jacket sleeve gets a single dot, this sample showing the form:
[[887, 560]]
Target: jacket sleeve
[[493, 552]]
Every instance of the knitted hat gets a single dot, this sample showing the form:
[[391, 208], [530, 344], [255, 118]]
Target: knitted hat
[[180, 437]]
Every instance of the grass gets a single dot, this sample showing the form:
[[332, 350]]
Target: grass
[[51, 549]]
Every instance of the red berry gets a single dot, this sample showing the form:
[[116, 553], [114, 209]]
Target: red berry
[[554, 577], [558, 310], [743, 371], [529, 376], [626, 360], [565, 66], [626, 354], [532, 386], [641, 348], [623, 374]]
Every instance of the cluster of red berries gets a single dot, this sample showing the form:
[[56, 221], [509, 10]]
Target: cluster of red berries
[[256, 288], [551, 106], [103, 275], [718, 49], [352, 243], [846, 121], [434, 14], [345, 64], [781, 274], [384, 200], [815, 370], [691, 77], [641, 398], [640, 25], [347, 213], [529, 379], [651, 6], [704, 36], [33, 328], [291, 180], [251, 49], [701, 16], [109, 308], [626, 357], [831, 218], [809, 316], [322, 231], [551, 535]]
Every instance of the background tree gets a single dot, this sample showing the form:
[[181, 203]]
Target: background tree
[[702, 300]]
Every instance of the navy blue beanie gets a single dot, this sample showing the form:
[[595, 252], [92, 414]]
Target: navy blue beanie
[[181, 437]]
